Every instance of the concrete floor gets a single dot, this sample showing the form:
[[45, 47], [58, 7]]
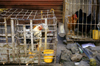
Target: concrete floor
[[60, 46]]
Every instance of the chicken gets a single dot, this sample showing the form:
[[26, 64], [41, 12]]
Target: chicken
[[83, 18], [76, 20], [72, 23], [36, 33]]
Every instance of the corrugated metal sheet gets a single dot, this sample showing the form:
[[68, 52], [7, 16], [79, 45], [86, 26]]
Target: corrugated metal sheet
[[57, 5]]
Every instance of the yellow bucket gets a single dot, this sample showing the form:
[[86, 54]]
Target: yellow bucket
[[96, 34], [46, 58]]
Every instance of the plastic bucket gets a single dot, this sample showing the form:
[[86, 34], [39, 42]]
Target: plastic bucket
[[99, 34], [96, 34], [47, 58]]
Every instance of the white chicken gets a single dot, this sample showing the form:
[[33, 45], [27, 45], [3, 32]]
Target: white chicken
[[36, 30], [36, 33]]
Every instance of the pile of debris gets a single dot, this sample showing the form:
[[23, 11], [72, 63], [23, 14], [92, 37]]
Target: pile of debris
[[74, 55]]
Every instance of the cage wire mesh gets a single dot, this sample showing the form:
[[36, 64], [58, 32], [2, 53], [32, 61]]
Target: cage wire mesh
[[81, 18], [27, 32]]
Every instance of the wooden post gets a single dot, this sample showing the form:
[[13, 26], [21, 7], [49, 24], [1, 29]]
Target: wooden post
[[6, 38], [24, 29], [55, 45], [45, 33], [39, 58], [31, 28], [13, 41]]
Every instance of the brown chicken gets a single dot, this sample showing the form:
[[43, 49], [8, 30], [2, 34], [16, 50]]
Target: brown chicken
[[72, 24]]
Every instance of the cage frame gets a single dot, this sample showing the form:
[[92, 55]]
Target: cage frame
[[81, 5], [14, 23]]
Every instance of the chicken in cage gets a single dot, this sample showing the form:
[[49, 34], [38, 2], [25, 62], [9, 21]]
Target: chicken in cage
[[33, 36], [81, 19]]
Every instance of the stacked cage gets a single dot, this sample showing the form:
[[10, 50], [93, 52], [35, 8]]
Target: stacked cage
[[82, 20], [33, 36]]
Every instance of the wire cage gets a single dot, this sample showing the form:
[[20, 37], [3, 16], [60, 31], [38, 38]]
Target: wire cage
[[82, 20], [29, 43]]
